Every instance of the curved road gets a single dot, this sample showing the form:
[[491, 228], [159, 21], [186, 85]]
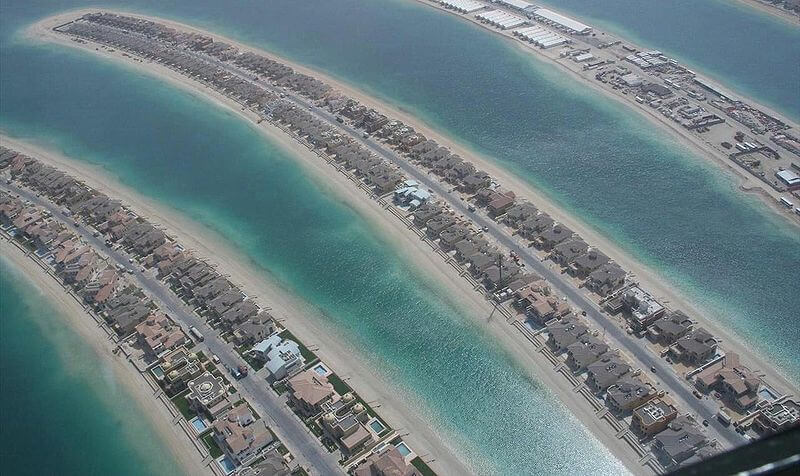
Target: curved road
[[292, 432]]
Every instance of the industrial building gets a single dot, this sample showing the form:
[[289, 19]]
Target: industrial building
[[541, 37], [516, 4], [501, 19], [560, 21], [463, 6]]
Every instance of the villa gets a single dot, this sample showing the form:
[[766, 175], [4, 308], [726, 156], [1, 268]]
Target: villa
[[695, 348], [343, 420], [565, 333], [606, 279], [735, 382], [519, 213], [566, 252], [309, 390], [388, 461], [670, 328], [584, 264], [240, 435], [254, 330], [158, 334], [643, 309], [208, 394], [606, 371], [653, 417], [681, 443], [777, 417], [627, 394], [281, 356], [586, 351]]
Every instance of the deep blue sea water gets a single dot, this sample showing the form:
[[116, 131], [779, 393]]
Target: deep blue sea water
[[666, 207], [62, 411]]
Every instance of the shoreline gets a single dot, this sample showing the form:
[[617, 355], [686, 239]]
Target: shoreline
[[774, 11], [69, 312], [746, 183], [313, 331], [647, 277], [323, 172]]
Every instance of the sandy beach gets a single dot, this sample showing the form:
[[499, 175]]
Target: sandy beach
[[399, 411], [648, 277], [716, 155], [790, 17], [176, 441]]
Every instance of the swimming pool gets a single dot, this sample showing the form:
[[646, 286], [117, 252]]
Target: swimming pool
[[199, 424], [403, 449], [767, 394], [226, 464], [377, 426], [321, 369], [158, 372]]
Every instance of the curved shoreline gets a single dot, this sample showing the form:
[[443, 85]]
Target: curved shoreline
[[706, 152], [70, 313], [358, 197], [647, 276]]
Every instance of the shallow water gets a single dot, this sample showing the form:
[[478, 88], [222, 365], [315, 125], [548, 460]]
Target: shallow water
[[662, 204]]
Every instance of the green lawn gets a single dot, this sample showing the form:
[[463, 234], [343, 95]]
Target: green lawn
[[338, 384], [182, 405], [299, 472], [422, 467], [280, 388], [213, 447]]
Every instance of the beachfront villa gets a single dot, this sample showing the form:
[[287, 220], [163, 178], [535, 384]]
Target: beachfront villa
[[343, 420], [653, 417], [777, 417], [158, 334], [682, 443], [281, 356], [385, 462], [208, 394], [240, 435], [737, 384], [628, 393], [670, 328], [642, 308], [309, 390], [695, 348]]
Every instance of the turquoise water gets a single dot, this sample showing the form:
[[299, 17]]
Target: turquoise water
[[63, 412], [664, 206], [749, 51]]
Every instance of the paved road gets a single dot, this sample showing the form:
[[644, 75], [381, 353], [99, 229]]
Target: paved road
[[294, 434], [644, 358]]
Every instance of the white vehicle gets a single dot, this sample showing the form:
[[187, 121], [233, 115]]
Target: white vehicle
[[196, 334]]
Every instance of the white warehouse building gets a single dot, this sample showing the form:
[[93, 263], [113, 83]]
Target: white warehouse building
[[501, 19], [463, 6], [561, 22]]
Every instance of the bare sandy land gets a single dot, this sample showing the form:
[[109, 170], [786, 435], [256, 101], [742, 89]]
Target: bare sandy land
[[787, 16], [176, 441], [648, 277], [399, 411]]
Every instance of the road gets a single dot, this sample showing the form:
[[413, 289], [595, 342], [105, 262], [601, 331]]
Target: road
[[645, 359], [294, 434]]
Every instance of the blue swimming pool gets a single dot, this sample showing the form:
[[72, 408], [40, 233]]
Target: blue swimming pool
[[226, 464], [321, 369], [403, 449], [199, 424], [377, 426]]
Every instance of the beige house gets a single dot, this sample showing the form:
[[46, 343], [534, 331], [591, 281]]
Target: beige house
[[308, 391]]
